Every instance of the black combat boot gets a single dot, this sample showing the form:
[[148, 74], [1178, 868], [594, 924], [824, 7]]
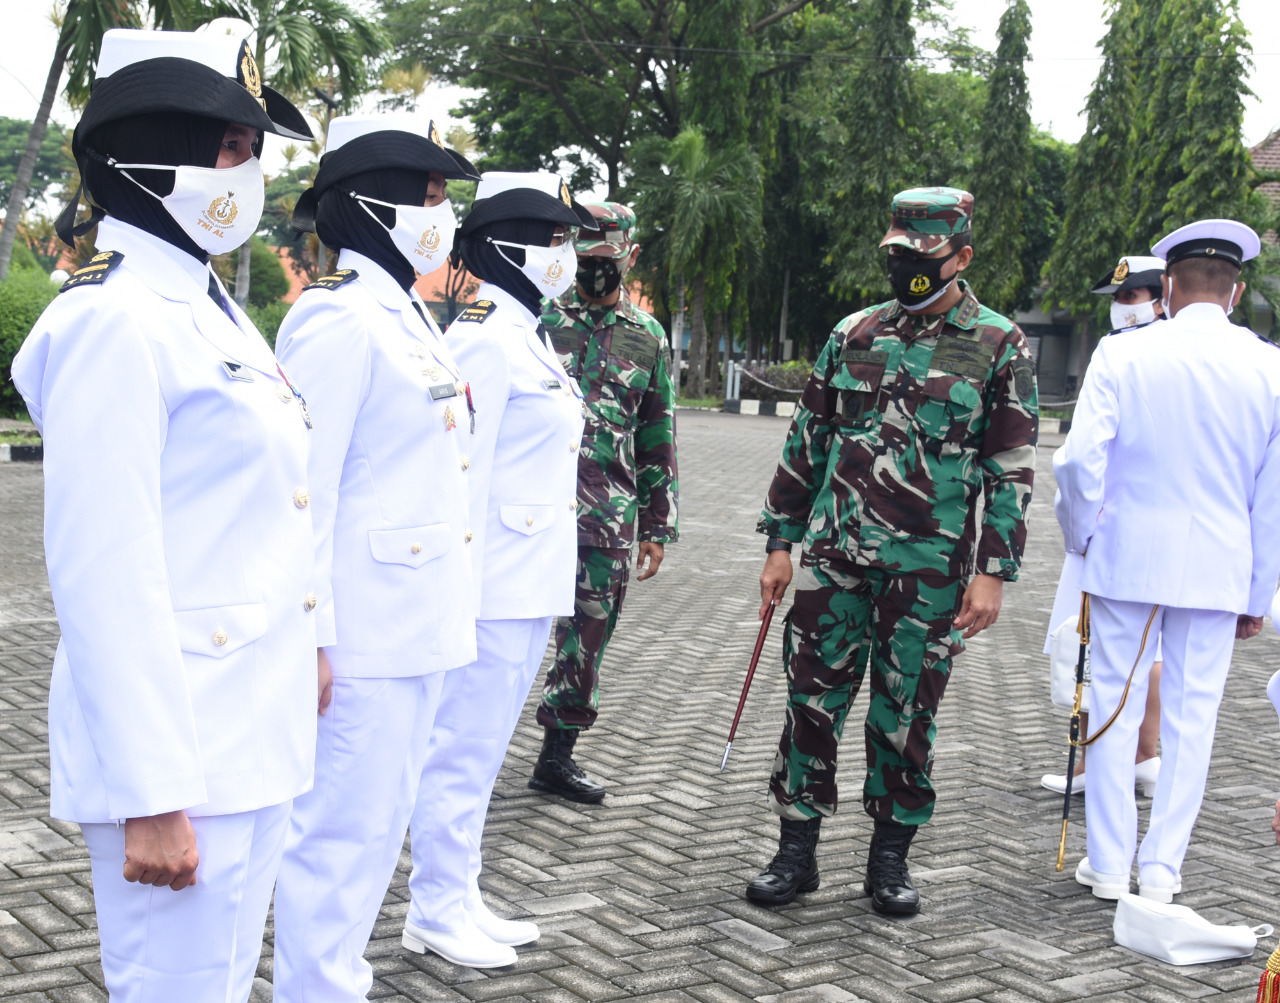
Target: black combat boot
[[794, 868], [557, 773], [887, 880]]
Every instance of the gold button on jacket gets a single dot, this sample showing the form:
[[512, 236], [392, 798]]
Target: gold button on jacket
[[468, 536], [301, 498], [219, 637], [286, 394], [309, 603], [416, 548]]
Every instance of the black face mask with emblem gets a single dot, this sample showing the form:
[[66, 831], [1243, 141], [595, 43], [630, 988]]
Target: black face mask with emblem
[[598, 276], [918, 280]]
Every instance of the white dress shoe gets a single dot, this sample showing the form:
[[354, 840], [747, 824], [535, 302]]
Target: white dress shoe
[[466, 946], [1159, 884], [1057, 782], [512, 932], [1145, 774], [1104, 886]]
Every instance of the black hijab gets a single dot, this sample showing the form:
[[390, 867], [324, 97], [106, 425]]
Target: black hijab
[[492, 263], [341, 221], [162, 137]]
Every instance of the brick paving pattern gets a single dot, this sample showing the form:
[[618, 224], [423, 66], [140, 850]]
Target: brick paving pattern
[[641, 898]]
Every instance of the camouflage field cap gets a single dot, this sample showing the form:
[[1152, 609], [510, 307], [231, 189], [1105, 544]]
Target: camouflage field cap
[[617, 225], [925, 218]]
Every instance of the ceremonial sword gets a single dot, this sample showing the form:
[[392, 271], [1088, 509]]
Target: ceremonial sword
[[755, 658]]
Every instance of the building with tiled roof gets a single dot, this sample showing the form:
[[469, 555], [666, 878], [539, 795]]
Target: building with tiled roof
[[1266, 157]]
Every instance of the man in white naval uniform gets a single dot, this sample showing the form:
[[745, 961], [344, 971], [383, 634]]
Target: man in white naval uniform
[[182, 707], [1169, 485]]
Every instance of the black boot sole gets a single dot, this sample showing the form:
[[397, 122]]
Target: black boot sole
[[767, 898], [546, 787], [890, 908]]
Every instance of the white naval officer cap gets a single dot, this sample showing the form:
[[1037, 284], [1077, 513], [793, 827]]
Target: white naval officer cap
[[502, 195], [359, 143], [1132, 271], [1209, 238]]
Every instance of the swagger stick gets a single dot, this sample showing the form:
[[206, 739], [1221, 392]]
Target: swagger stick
[[1083, 628], [742, 701]]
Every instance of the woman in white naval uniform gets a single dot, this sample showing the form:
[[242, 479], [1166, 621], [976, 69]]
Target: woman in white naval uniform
[[1134, 287], [388, 478], [529, 420], [183, 702]]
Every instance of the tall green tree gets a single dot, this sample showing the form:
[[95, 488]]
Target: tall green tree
[[866, 110], [709, 203], [1101, 191], [83, 23], [1002, 171], [51, 167]]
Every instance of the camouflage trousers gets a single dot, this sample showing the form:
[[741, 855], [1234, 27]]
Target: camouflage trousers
[[844, 618], [571, 693]]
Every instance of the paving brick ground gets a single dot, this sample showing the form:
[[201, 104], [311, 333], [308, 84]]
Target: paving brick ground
[[641, 898]]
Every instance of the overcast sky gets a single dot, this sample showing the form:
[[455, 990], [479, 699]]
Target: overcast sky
[[1063, 47]]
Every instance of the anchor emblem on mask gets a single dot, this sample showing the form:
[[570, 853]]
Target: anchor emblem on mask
[[919, 285], [430, 240], [554, 271], [223, 210]]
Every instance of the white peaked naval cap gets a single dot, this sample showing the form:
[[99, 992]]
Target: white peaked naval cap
[[218, 50], [1210, 238], [345, 128], [494, 182]]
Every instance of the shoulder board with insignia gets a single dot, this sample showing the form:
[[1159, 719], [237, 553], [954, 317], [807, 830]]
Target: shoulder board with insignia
[[338, 278], [94, 271], [478, 311]]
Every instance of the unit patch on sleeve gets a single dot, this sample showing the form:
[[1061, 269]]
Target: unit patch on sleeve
[[341, 277], [94, 271], [478, 312], [1024, 379]]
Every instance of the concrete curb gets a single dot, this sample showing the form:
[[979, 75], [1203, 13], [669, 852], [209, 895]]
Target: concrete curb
[[19, 452], [780, 409]]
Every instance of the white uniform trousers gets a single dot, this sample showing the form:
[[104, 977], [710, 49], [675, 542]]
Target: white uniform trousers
[[200, 944], [1197, 654], [346, 834], [479, 710]]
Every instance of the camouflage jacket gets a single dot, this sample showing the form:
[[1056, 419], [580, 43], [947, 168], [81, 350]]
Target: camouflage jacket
[[900, 424], [627, 464]]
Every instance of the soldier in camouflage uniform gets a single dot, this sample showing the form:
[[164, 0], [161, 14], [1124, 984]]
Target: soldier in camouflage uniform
[[915, 408], [626, 472]]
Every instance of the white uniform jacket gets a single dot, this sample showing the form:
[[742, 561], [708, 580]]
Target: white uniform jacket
[[180, 564], [1169, 481], [524, 471], [388, 475]]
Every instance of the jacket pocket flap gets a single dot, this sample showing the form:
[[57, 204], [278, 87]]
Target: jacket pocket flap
[[217, 631], [412, 547], [527, 519]]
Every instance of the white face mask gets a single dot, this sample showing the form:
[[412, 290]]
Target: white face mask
[[423, 234], [1132, 314], [218, 208], [550, 269]]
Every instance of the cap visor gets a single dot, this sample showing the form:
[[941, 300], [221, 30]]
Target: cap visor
[[913, 240], [286, 120], [525, 203], [466, 171]]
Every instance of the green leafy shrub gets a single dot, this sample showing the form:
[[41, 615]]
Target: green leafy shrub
[[23, 296], [267, 319], [789, 376]]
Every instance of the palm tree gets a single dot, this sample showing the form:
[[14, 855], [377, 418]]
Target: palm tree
[[80, 29], [405, 86], [708, 203], [310, 41]]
